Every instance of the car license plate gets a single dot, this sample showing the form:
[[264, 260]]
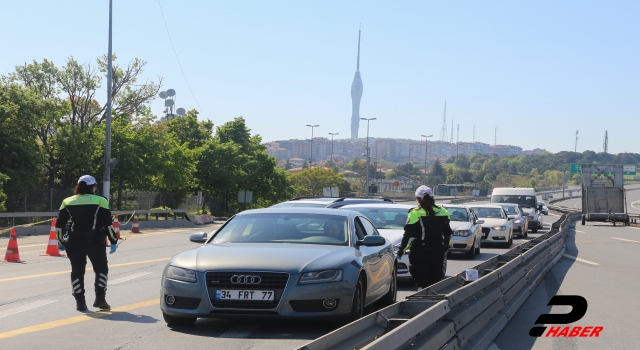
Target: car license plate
[[235, 294], [485, 235]]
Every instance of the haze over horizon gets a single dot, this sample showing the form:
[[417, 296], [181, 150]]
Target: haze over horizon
[[537, 71]]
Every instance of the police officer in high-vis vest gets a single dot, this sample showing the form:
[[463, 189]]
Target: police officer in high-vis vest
[[90, 222], [426, 237]]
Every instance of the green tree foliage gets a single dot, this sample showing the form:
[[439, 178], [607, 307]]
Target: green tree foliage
[[189, 130], [310, 182], [3, 196]]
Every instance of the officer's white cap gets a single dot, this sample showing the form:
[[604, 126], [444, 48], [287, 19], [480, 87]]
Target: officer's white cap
[[422, 190], [88, 179]]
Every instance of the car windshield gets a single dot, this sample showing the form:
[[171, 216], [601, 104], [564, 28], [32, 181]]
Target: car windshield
[[458, 214], [300, 205], [511, 210], [523, 201], [488, 213], [541, 203], [393, 218], [285, 228]]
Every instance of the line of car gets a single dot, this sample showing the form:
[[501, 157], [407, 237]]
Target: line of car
[[325, 258]]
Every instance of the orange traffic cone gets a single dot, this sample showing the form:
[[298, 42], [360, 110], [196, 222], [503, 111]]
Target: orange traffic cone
[[135, 228], [116, 226], [52, 247], [12, 249]]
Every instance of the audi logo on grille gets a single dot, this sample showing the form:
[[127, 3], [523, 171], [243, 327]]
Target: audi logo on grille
[[245, 279]]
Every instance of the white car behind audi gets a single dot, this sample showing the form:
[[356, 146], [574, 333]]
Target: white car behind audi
[[496, 227]]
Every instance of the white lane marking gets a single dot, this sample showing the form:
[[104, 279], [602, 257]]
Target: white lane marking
[[26, 307], [580, 260], [128, 278], [239, 331], [633, 205], [492, 346], [579, 231], [627, 240]]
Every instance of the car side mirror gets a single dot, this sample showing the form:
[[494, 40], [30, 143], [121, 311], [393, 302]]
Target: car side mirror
[[479, 221], [199, 237], [371, 241]]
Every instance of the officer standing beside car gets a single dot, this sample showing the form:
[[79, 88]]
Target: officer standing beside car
[[426, 236], [90, 222]]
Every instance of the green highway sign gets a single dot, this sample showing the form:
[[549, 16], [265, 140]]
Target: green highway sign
[[628, 169]]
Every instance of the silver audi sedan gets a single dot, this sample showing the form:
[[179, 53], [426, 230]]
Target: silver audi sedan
[[279, 263]]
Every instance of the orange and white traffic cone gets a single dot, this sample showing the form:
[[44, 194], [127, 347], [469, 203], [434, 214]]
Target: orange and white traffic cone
[[12, 249], [52, 247], [116, 226], [135, 228]]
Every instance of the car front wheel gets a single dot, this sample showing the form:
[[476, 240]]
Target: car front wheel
[[357, 304]]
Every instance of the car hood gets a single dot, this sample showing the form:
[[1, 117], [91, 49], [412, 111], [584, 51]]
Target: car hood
[[529, 211], [391, 234], [489, 222], [291, 258], [459, 225]]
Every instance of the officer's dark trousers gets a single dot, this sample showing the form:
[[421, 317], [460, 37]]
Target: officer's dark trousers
[[426, 267], [78, 253]]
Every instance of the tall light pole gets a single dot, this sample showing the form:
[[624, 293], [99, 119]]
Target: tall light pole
[[426, 152], [332, 135], [106, 178], [375, 162], [368, 156], [311, 154]]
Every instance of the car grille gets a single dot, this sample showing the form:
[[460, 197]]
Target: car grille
[[275, 281], [311, 305], [270, 280]]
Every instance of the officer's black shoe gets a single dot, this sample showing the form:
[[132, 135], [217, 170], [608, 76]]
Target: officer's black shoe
[[101, 303], [81, 305]]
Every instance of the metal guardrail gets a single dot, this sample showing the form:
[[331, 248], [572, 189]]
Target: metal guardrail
[[456, 313]]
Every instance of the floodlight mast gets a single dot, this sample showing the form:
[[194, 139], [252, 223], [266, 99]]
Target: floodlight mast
[[106, 179]]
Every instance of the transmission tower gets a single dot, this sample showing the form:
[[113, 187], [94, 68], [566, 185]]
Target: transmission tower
[[606, 141], [451, 141], [443, 132], [458, 134], [575, 146]]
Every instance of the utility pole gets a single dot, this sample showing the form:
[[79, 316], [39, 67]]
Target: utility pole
[[332, 135], [426, 153], [106, 178], [311, 154], [368, 158], [564, 181]]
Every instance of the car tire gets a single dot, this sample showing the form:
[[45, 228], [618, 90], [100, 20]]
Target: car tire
[[178, 321], [471, 254], [390, 297], [584, 221], [357, 303]]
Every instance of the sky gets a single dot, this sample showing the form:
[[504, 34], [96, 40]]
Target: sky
[[536, 70]]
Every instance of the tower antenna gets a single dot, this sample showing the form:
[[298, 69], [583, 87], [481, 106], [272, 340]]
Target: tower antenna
[[356, 96], [575, 146], [474, 134], [606, 141], [495, 136], [451, 141], [443, 131], [458, 134]]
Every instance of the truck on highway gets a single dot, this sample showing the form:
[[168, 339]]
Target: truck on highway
[[603, 195]]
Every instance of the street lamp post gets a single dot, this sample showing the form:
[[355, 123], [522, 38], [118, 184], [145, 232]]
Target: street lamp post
[[426, 153], [332, 135], [367, 171], [311, 154], [106, 178], [375, 162]]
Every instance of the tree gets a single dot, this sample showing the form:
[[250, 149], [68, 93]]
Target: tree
[[288, 165], [309, 183], [3, 196], [187, 129]]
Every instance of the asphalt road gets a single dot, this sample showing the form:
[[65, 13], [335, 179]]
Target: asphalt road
[[37, 310], [601, 265]]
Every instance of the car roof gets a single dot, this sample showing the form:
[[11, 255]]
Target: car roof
[[509, 204], [377, 205], [299, 210], [487, 206]]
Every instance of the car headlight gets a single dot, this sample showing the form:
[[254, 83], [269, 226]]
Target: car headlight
[[500, 228], [462, 233], [321, 277], [180, 274], [517, 221]]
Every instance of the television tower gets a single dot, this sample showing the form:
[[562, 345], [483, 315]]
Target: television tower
[[443, 132], [575, 146], [606, 141], [356, 95]]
